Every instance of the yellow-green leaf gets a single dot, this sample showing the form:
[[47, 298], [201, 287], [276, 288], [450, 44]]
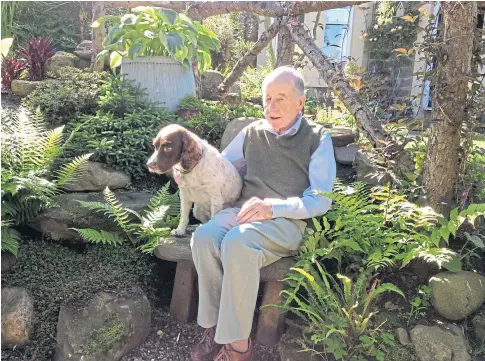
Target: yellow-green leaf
[[115, 59]]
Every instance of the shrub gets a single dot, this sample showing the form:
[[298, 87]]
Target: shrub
[[213, 118], [29, 183], [11, 69], [190, 102], [252, 81], [120, 134], [38, 51], [75, 92]]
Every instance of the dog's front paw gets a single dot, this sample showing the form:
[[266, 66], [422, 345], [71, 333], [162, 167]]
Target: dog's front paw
[[178, 232]]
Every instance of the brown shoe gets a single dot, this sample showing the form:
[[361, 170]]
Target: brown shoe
[[228, 354], [207, 348]]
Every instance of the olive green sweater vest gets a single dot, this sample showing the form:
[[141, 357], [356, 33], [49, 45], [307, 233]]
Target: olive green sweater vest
[[278, 166]]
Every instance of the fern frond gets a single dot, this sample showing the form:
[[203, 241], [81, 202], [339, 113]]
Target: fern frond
[[117, 210], [21, 211], [103, 237], [164, 197], [51, 146], [10, 240], [71, 172]]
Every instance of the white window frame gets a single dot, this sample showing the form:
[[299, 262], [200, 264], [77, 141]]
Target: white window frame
[[345, 50], [426, 101]]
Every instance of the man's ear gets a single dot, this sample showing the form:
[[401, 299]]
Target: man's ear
[[302, 102], [191, 151]]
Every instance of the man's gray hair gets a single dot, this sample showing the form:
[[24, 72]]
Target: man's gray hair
[[296, 78]]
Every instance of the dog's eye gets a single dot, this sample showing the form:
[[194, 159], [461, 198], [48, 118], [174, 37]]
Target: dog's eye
[[167, 149]]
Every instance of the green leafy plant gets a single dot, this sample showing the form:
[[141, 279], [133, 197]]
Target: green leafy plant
[[213, 118], [378, 227], [420, 303], [339, 312], [190, 102], [155, 222], [156, 31], [121, 132], [252, 82], [75, 92], [29, 182], [335, 117]]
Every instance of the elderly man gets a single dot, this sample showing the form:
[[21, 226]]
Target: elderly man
[[284, 159]]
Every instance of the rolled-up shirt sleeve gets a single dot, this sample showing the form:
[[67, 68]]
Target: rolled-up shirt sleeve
[[322, 174]]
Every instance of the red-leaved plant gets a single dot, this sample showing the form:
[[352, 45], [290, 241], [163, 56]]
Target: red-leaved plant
[[11, 69], [38, 50]]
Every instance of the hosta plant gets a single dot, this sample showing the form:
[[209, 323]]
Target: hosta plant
[[156, 31], [29, 181], [145, 228], [38, 51]]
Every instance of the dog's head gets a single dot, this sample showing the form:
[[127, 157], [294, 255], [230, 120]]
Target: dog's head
[[174, 144]]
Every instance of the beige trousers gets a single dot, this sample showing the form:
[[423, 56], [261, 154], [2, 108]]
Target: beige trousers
[[228, 258]]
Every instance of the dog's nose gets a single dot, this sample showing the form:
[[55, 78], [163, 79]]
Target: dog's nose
[[151, 165]]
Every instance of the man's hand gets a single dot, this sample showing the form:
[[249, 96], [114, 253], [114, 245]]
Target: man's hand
[[255, 209]]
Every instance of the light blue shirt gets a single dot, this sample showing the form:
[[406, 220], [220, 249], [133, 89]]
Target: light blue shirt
[[322, 174]]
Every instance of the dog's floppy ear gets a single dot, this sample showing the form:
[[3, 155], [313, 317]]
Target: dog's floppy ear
[[191, 151]]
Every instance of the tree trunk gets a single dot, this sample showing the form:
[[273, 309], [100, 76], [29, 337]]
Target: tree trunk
[[336, 80], [98, 36], [449, 102], [250, 25], [285, 49], [243, 63]]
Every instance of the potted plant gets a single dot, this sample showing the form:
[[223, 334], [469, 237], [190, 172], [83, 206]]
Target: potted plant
[[156, 48], [189, 107]]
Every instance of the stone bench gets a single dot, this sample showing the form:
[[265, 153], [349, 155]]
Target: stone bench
[[183, 305]]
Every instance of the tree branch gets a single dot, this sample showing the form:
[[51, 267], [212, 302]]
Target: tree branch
[[203, 9], [335, 80], [244, 62]]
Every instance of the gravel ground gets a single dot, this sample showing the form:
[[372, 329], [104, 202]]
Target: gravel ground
[[172, 341]]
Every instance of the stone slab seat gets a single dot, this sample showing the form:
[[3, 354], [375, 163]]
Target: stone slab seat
[[183, 305]]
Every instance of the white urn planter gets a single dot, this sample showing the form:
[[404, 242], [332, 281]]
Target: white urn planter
[[165, 79]]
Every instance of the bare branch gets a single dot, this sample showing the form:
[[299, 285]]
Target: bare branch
[[203, 9], [335, 80], [243, 63]]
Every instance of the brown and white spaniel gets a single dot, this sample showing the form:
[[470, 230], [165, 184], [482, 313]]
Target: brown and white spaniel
[[205, 178]]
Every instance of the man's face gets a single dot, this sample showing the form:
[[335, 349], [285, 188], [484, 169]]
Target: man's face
[[281, 105]]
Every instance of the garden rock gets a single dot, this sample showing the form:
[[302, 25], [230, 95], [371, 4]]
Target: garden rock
[[457, 295], [84, 50], [479, 327], [62, 59], [346, 155], [435, 344], [233, 128], [106, 329], [22, 88], [402, 336], [210, 80], [367, 169], [341, 136], [54, 223], [97, 177], [17, 311]]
